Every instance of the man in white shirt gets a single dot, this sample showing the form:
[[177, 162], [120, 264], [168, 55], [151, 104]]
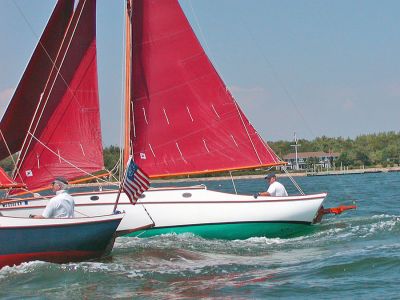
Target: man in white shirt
[[60, 206], [275, 188]]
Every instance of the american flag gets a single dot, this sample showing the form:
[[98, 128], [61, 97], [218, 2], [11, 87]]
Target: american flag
[[136, 181]]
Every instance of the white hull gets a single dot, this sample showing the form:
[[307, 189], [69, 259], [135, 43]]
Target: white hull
[[178, 207]]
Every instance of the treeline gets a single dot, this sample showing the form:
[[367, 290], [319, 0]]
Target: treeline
[[382, 149]]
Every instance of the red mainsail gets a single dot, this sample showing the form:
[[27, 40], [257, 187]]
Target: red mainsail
[[65, 136], [184, 119]]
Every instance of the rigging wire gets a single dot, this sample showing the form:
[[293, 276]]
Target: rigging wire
[[280, 82], [66, 161], [35, 120], [275, 73], [269, 149], [203, 37], [58, 74], [245, 128], [115, 169], [201, 32], [8, 149], [277, 77], [234, 100], [293, 181], [121, 110], [233, 182], [297, 186]]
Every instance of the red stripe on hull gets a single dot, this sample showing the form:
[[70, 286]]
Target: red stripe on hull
[[56, 257]]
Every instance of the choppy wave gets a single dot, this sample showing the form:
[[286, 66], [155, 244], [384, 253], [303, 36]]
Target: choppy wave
[[353, 255], [24, 268]]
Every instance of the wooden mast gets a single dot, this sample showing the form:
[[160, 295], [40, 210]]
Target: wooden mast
[[128, 78]]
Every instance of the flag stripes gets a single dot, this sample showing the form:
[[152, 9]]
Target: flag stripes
[[136, 181]]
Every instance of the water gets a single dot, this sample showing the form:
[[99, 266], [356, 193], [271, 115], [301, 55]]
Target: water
[[356, 254]]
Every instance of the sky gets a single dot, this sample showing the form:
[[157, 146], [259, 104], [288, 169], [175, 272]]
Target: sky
[[313, 67]]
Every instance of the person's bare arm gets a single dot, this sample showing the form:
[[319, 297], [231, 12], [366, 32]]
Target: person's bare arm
[[36, 217], [264, 194]]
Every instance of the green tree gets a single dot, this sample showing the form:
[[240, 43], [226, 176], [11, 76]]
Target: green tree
[[7, 164], [111, 156]]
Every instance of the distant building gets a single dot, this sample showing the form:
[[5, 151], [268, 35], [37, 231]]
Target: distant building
[[310, 159]]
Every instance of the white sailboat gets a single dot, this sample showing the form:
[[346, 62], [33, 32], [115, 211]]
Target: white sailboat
[[180, 119]]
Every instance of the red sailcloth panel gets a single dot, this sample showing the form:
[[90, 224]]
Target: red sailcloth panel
[[17, 118], [67, 140], [184, 119], [6, 182]]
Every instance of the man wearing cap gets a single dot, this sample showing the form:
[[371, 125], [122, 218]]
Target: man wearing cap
[[275, 188], [60, 206]]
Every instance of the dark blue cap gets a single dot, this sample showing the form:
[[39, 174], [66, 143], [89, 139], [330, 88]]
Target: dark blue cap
[[60, 179], [269, 176]]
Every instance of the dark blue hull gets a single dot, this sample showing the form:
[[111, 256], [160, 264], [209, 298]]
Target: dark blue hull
[[57, 243]]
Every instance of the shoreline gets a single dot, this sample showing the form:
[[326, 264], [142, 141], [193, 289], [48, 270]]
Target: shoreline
[[296, 174], [261, 176]]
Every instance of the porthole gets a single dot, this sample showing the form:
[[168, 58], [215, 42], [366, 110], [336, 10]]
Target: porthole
[[94, 198], [142, 196], [186, 195]]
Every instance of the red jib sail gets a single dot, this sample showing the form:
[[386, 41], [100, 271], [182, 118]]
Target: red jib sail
[[65, 137], [17, 118], [184, 119]]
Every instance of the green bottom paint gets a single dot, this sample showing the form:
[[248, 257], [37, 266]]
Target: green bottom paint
[[234, 231]]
